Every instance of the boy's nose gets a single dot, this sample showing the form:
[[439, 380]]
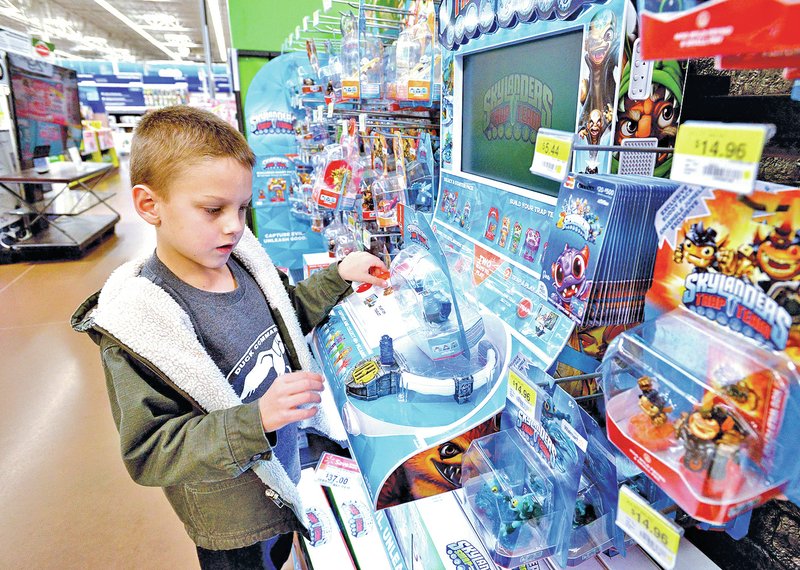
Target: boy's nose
[[233, 224]]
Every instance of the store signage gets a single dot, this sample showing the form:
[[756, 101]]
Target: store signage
[[43, 48], [720, 155], [650, 529], [551, 154]]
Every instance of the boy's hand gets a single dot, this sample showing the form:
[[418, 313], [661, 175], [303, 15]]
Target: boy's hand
[[356, 267], [279, 405]]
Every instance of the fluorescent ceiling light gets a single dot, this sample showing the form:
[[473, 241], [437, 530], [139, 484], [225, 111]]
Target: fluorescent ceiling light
[[138, 29], [219, 33]]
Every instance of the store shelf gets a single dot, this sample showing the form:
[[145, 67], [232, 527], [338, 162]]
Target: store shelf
[[52, 244]]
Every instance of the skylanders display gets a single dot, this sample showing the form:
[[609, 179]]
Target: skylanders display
[[520, 484], [709, 416], [418, 370], [599, 262]]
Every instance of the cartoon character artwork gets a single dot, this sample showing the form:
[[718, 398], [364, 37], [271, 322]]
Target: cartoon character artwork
[[491, 224], [504, 227], [597, 90], [432, 471], [450, 204], [699, 249], [654, 117], [464, 221], [516, 236], [569, 276], [277, 189], [532, 241]]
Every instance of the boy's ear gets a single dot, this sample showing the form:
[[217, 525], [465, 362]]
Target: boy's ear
[[146, 203]]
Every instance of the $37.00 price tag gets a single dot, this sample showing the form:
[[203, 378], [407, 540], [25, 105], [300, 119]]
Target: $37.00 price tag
[[649, 528], [335, 471], [720, 155], [551, 154]]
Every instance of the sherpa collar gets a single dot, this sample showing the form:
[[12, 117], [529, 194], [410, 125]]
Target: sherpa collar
[[145, 318]]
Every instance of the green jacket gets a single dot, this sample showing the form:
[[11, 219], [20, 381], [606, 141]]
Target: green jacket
[[182, 427]]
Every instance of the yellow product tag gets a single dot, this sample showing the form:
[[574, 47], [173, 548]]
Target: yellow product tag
[[521, 393], [551, 154], [649, 528]]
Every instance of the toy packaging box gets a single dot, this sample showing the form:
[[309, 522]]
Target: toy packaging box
[[417, 372]]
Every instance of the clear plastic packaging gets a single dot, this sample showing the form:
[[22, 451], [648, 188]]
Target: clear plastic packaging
[[707, 414]]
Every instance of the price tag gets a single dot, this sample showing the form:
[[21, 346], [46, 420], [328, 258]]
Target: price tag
[[720, 155], [305, 23], [335, 471], [551, 154], [330, 109], [521, 394], [649, 528], [362, 122], [315, 18], [327, 5]]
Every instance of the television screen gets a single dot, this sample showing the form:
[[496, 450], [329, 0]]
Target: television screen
[[510, 92], [46, 106]]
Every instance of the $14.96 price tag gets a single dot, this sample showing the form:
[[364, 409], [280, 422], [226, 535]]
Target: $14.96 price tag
[[720, 155], [522, 394], [551, 154], [649, 528], [335, 471]]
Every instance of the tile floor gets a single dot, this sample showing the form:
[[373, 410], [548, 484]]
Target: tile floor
[[66, 500]]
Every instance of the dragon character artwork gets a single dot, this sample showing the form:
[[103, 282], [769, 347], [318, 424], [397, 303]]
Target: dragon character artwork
[[738, 265], [569, 276]]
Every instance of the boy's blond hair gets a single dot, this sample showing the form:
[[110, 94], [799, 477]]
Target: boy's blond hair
[[173, 138]]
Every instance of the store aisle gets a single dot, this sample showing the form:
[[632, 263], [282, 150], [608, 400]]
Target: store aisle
[[67, 501]]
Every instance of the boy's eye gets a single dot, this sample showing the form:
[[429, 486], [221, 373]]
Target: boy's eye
[[212, 211]]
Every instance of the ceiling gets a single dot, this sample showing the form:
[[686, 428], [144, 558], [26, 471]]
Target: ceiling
[[101, 29]]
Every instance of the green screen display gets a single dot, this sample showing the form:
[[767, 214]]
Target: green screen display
[[509, 93]]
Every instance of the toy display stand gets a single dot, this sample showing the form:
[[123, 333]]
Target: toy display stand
[[703, 412]]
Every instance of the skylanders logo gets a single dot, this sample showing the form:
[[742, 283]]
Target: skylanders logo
[[272, 123], [463, 20], [516, 107], [537, 437], [466, 557], [416, 235], [274, 163], [738, 305]]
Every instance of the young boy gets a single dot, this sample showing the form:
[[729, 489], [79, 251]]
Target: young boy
[[203, 344]]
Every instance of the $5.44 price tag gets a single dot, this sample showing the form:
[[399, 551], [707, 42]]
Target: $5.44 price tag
[[649, 528], [551, 154], [335, 471], [720, 155]]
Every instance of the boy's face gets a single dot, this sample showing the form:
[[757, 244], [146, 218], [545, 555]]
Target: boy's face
[[202, 218]]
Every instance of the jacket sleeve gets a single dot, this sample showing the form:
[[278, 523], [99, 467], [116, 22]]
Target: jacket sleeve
[[313, 298], [165, 439]]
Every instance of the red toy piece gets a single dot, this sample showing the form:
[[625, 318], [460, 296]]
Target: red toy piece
[[379, 272]]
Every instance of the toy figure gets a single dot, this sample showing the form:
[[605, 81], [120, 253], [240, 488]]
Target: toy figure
[[491, 224], [506, 512], [516, 235], [584, 513], [465, 214], [651, 428], [712, 437], [504, 232], [569, 276], [532, 240]]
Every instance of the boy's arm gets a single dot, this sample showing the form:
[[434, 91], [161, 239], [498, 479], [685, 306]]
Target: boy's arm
[[165, 440], [314, 297]]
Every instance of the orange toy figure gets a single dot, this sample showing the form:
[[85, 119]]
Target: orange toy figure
[[712, 439], [652, 428]]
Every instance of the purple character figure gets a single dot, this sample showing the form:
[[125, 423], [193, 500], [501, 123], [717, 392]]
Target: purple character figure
[[569, 276], [532, 239]]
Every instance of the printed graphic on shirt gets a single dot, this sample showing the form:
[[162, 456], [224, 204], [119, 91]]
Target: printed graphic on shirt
[[264, 361]]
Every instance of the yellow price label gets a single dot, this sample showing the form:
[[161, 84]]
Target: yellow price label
[[649, 528], [553, 147], [742, 143], [522, 388]]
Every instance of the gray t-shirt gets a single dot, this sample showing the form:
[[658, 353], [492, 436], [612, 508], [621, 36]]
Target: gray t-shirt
[[238, 332]]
